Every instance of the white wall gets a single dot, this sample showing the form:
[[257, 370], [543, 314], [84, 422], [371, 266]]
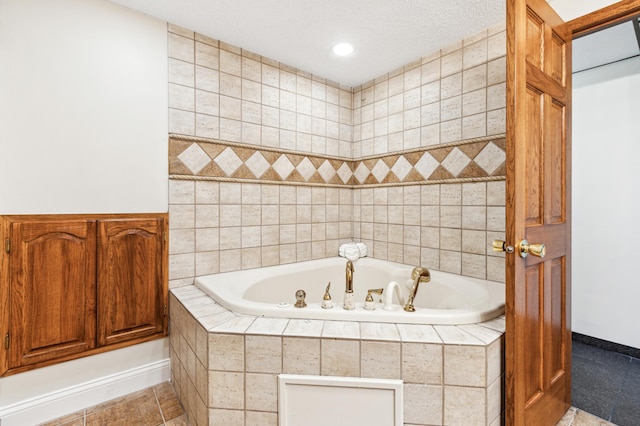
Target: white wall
[[83, 108], [606, 202], [83, 129]]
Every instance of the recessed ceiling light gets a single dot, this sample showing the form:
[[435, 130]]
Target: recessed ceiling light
[[343, 49]]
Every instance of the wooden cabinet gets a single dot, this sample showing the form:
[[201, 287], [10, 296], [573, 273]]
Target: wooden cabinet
[[80, 284]]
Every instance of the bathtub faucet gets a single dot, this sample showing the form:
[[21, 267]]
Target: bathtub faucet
[[418, 275], [349, 277], [349, 303]]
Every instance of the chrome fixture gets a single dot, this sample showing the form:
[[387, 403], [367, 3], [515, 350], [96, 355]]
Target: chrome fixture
[[418, 275]]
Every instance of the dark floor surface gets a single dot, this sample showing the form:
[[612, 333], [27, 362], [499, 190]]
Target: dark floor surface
[[606, 384]]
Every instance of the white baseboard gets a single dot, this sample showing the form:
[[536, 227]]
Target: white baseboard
[[75, 398]]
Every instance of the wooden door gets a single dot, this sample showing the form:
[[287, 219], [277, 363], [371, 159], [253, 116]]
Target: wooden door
[[131, 281], [52, 285], [538, 335]]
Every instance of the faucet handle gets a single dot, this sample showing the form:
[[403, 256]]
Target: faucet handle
[[369, 303]]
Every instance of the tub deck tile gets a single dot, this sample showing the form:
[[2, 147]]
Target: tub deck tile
[[379, 331], [268, 326], [235, 325], [304, 328], [485, 334], [454, 335], [211, 321], [497, 324], [341, 330], [418, 333]]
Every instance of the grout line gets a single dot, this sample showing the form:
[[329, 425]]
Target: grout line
[[155, 395]]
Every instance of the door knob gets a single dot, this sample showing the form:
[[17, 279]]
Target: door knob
[[526, 249], [499, 245]]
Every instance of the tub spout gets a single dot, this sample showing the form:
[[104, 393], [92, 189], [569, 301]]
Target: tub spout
[[418, 275], [388, 295]]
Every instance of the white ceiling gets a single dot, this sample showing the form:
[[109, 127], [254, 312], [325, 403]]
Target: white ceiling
[[386, 34]]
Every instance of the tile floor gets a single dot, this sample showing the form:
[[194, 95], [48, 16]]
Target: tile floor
[[154, 406], [606, 384], [159, 405]]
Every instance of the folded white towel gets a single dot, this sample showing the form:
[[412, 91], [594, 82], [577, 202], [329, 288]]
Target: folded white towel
[[352, 251]]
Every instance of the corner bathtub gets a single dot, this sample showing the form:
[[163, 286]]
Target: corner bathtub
[[270, 292]]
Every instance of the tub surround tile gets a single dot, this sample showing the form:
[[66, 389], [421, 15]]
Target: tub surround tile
[[226, 390], [222, 417], [340, 357], [485, 334], [454, 335], [379, 331], [341, 330], [418, 333], [269, 326], [433, 361], [465, 366], [380, 360], [301, 355], [422, 363], [423, 404], [263, 354], [304, 328], [236, 325], [464, 405], [262, 392], [226, 352]]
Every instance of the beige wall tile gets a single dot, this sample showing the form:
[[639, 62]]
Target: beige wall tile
[[340, 357], [226, 390], [222, 417], [423, 404], [422, 363], [301, 355], [464, 405], [262, 392]]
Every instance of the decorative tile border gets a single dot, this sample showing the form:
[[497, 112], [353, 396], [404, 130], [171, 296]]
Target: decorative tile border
[[194, 158]]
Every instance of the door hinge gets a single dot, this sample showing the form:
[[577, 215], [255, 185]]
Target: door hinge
[[7, 245], [165, 310], [6, 341]]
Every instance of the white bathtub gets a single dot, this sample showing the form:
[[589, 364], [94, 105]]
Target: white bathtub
[[270, 292]]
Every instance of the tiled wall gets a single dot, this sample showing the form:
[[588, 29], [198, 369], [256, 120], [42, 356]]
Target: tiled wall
[[439, 120]]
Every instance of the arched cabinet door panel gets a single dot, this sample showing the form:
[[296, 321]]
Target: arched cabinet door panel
[[130, 291]]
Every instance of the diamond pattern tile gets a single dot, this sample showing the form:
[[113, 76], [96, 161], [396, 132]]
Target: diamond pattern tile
[[426, 165], [228, 161], [257, 164], [476, 160], [490, 158], [345, 173], [194, 158], [306, 169], [283, 167], [401, 168], [380, 170], [362, 173], [456, 161], [327, 171]]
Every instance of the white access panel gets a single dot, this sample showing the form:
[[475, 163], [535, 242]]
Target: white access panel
[[338, 401]]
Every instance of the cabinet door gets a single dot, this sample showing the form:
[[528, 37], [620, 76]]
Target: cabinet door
[[52, 270], [131, 282]]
